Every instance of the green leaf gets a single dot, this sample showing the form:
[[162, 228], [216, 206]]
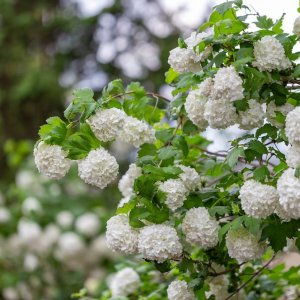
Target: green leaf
[[167, 152], [114, 88], [268, 129], [252, 224], [261, 173], [222, 8], [218, 210], [296, 72], [264, 22], [80, 143], [258, 147], [82, 105], [278, 24], [54, 132], [181, 144], [234, 155], [277, 232], [190, 128], [241, 105], [136, 215], [164, 135], [171, 75], [147, 149], [297, 172], [163, 267], [181, 43]]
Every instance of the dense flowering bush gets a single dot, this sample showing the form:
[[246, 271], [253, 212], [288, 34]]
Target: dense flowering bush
[[212, 222]]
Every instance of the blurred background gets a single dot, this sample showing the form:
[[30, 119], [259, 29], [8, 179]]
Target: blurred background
[[47, 49]]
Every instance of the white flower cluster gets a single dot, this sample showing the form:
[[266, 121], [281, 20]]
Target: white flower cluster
[[269, 55], [179, 290], [253, 117], [51, 160], [112, 123], [195, 106], [126, 182], [176, 193], [272, 108], [293, 156], [177, 189], [288, 187], [106, 124], [212, 103], [296, 29], [228, 85], [70, 247], [292, 125], [88, 224], [120, 237], [159, 242], [242, 245], [189, 177], [186, 59], [99, 168], [125, 283], [200, 228], [137, 132], [258, 200]]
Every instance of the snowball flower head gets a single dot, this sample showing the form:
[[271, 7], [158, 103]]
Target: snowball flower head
[[159, 242], [242, 245], [269, 55], [107, 123], [127, 181], [296, 29], [253, 117], [220, 114], [293, 156], [88, 224], [288, 187], [69, 245], [292, 125], [194, 106], [64, 219], [258, 200], [228, 85], [30, 205], [125, 282], [4, 215], [175, 191], [120, 236], [179, 290], [51, 160], [189, 177], [283, 214], [183, 60], [272, 108], [193, 40], [99, 168], [137, 132], [205, 87], [200, 228], [28, 231]]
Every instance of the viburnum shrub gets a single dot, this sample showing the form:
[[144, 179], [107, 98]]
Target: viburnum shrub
[[212, 221]]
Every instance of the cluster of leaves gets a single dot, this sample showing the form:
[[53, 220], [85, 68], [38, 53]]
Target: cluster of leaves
[[75, 135], [221, 174]]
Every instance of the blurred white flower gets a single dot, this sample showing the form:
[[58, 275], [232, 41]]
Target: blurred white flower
[[125, 282], [88, 224]]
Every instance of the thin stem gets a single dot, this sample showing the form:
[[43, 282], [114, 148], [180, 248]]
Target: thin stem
[[154, 95], [251, 278]]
